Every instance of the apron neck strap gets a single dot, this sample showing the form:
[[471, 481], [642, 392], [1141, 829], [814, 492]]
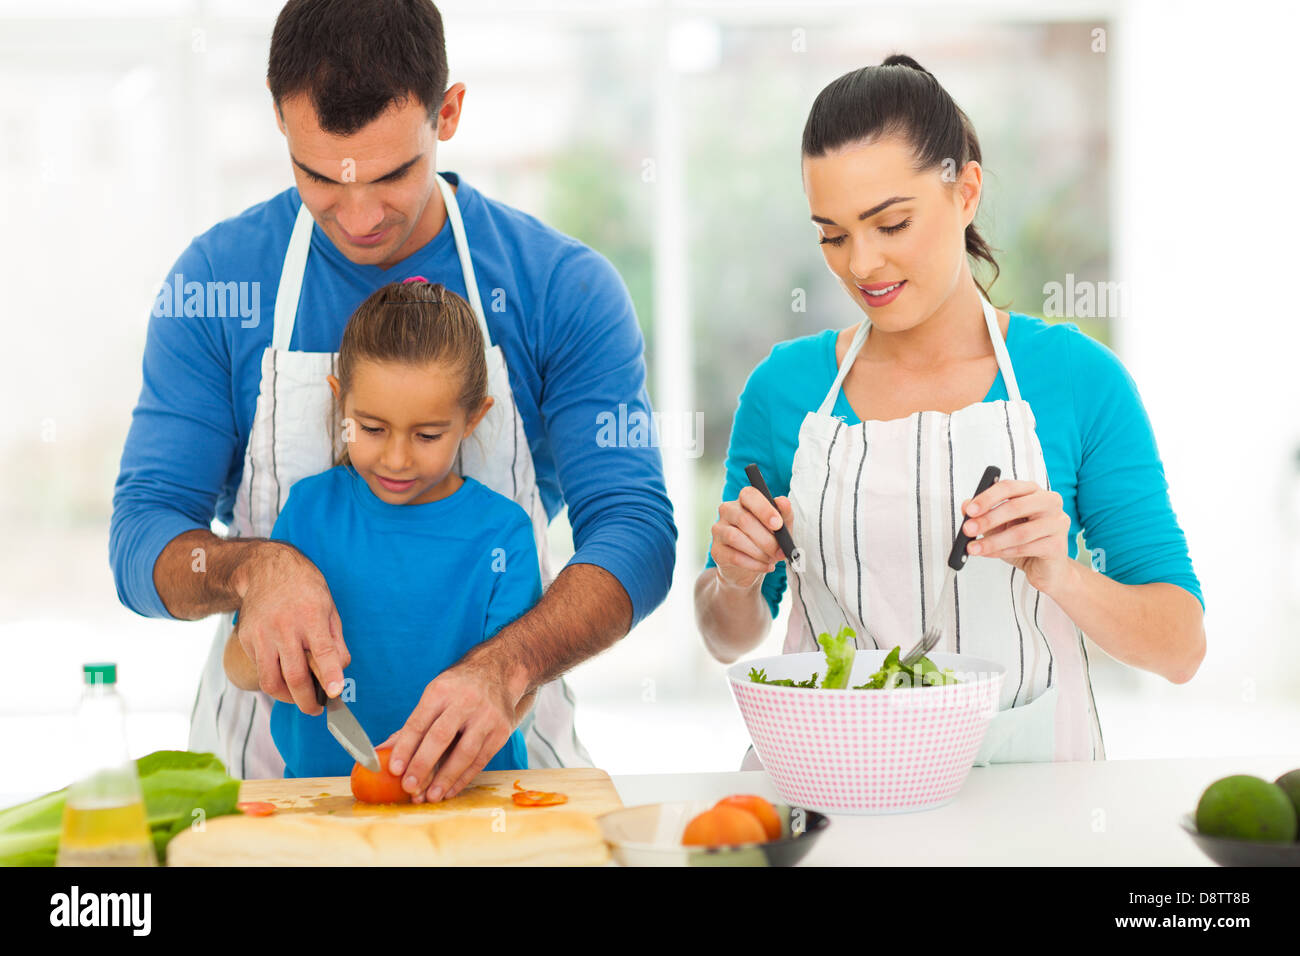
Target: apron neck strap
[[864, 328], [295, 267], [1000, 350], [291, 273], [855, 347], [462, 251]]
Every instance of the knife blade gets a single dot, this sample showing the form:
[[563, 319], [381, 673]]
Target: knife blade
[[347, 730], [956, 561]]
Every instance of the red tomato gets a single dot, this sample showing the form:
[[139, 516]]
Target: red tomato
[[378, 787], [255, 808]]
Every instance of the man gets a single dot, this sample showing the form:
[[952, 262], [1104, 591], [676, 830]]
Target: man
[[228, 413]]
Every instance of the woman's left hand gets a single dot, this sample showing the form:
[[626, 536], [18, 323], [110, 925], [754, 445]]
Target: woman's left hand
[[1025, 525]]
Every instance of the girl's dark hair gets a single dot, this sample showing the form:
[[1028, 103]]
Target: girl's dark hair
[[355, 57], [413, 323], [898, 98]]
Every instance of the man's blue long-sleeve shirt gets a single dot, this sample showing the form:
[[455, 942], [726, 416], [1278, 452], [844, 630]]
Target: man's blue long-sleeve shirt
[[558, 309]]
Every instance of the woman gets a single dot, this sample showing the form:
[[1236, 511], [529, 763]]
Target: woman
[[871, 437]]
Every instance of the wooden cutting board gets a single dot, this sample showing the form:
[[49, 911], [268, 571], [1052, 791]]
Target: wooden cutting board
[[589, 790], [317, 822]]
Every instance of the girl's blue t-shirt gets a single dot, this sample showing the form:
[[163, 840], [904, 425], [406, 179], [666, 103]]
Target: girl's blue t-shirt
[[1097, 440], [416, 586]]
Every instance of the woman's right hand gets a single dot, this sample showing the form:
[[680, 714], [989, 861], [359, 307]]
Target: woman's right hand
[[744, 542], [287, 612]]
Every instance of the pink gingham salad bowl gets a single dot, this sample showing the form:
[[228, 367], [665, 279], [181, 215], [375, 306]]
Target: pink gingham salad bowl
[[889, 750]]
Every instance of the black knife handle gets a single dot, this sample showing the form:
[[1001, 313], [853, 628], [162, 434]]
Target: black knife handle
[[782, 533], [957, 557], [321, 697]]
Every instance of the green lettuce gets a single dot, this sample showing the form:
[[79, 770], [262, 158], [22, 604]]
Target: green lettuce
[[839, 658], [759, 676], [892, 674], [839, 652], [174, 784]]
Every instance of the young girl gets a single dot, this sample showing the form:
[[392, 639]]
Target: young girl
[[422, 563]]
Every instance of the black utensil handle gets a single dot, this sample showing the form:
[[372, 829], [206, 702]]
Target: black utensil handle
[[782, 533], [957, 556], [321, 697]]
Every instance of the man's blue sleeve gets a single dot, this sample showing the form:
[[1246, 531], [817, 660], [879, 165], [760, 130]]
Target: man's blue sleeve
[[1123, 497], [518, 584], [179, 448], [751, 442], [594, 378]]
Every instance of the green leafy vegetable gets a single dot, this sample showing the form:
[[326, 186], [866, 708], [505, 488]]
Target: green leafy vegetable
[[174, 784], [840, 651], [759, 676], [893, 674], [839, 658]]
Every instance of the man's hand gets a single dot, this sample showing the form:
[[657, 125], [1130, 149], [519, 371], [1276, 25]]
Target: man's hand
[[469, 711], [466, 714], [286, 610]]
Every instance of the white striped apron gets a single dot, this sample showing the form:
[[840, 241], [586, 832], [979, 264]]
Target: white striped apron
[[876, 508], [295, 434]]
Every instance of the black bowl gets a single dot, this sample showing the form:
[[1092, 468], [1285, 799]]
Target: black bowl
[[1226, 851]]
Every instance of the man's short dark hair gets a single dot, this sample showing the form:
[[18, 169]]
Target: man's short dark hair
[[355, 57]]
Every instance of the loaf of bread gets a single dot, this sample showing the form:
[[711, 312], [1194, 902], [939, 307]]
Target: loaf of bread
[[540, 838]]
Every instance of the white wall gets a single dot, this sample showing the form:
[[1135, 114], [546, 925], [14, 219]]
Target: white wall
[[1205, 216]]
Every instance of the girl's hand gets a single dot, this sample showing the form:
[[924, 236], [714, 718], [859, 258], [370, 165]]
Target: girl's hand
[[744, 545], [240, 668], [1025, 525]]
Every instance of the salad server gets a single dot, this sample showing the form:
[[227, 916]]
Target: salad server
[[956, 561], [830, 620]]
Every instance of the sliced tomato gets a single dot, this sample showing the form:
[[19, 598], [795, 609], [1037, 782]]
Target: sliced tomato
[[538, 798], [256, 808]]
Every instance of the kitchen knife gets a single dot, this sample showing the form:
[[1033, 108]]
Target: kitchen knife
[[956, 561], [345, 727], [828, 615]]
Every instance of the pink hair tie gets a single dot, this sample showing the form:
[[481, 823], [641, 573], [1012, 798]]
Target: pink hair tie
[[414, 279]]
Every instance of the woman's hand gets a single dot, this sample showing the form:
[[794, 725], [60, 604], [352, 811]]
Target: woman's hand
[[1025, 525], [744, 545]]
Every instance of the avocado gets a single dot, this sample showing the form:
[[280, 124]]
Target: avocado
[[1244, 807], [1290, 782]]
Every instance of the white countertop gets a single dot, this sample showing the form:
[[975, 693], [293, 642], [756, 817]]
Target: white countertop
[[1102, 813]]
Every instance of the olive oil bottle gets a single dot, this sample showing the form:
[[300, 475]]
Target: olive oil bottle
[[103, 818]]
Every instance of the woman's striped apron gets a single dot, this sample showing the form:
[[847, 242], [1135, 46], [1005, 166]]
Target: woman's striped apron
[[876, 509]]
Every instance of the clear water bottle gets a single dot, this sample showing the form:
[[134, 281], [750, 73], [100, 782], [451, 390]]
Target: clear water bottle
[[103, 819]]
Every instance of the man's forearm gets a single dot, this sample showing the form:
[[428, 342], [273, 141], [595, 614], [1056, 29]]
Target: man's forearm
[[583, 612], [196, 574]]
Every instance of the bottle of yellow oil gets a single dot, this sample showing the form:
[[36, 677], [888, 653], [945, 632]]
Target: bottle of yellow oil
[[103, 818]]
